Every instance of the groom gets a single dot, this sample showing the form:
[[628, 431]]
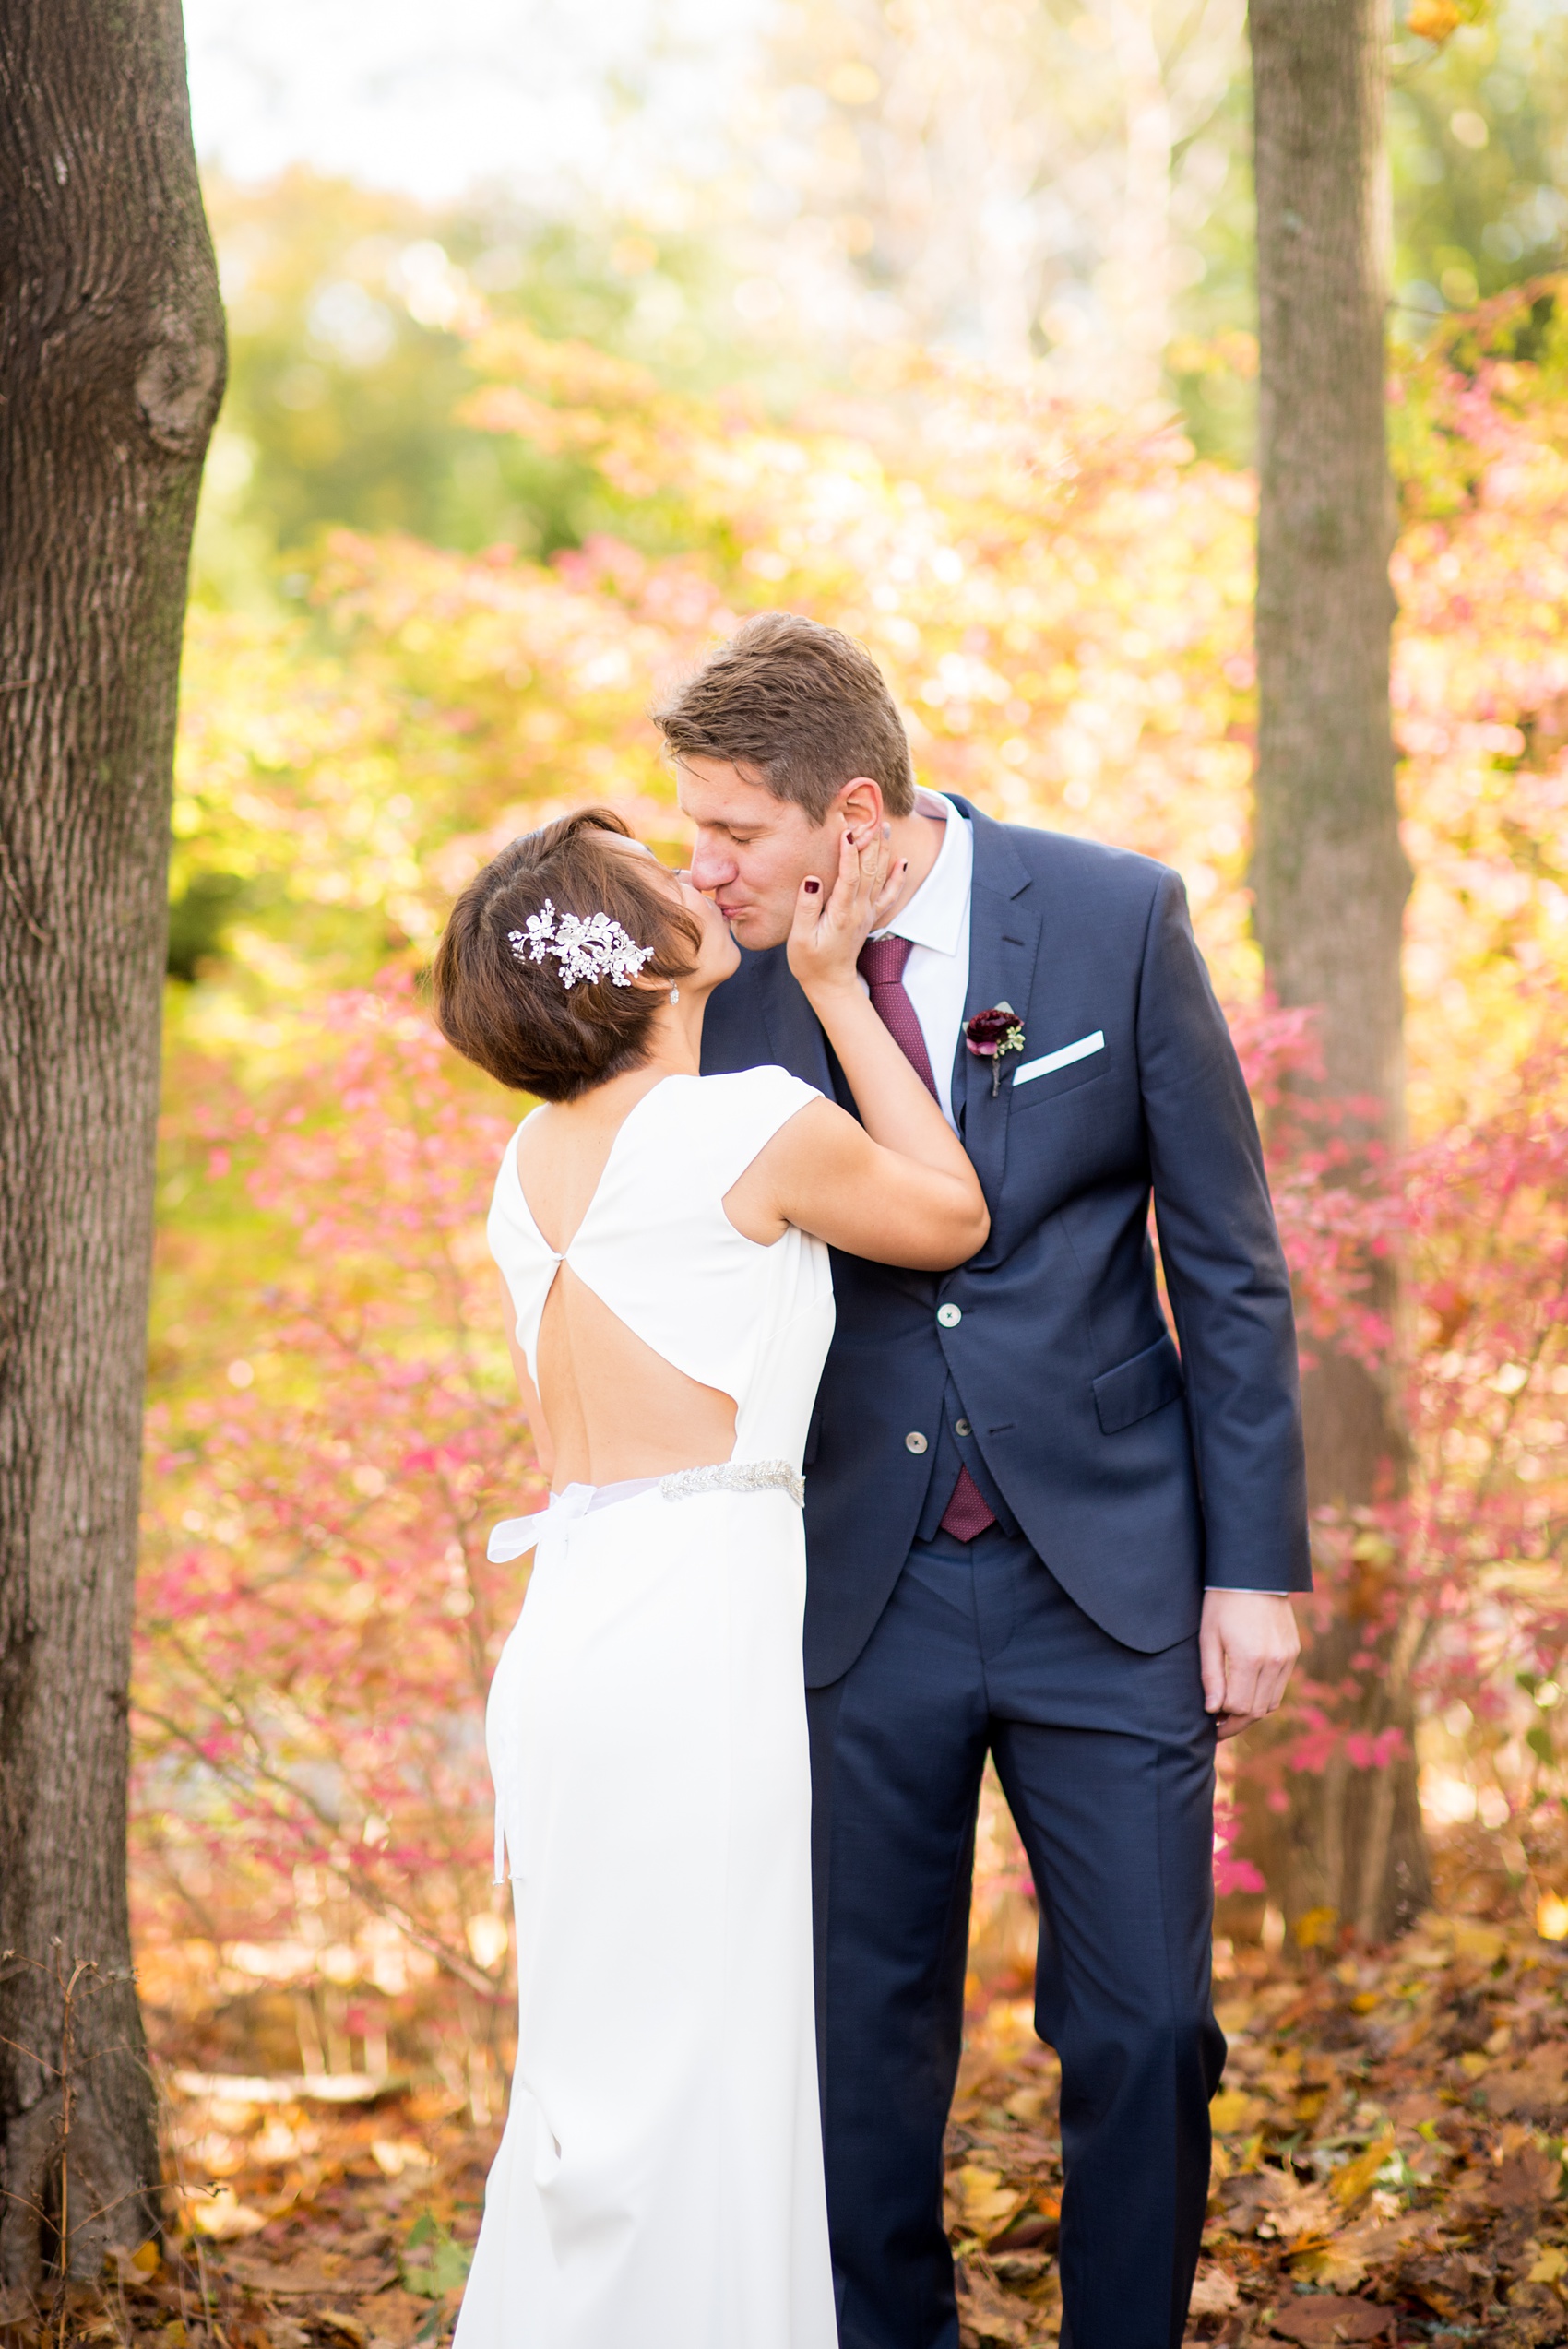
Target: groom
[[1034, 1527]]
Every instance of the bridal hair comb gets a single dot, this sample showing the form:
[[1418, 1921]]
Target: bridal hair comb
[[596, 948]]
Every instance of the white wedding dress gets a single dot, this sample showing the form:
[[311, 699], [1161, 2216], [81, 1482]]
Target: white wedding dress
[[660, 2183]]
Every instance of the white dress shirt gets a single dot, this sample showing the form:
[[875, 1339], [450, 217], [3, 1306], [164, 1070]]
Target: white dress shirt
[[936, 922]]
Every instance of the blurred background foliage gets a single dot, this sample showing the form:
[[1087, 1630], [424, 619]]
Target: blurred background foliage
[[951, 346], [887, 142]]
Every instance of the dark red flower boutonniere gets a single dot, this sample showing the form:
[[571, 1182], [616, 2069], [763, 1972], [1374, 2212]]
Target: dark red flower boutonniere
[[989, 1035]]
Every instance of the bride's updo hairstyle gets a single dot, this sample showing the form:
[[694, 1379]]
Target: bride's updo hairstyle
[[514, 1016]]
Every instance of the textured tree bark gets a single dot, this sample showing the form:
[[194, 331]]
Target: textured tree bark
[[111, 372], [1330, 875]]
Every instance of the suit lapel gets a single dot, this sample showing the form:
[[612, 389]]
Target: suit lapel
[[1004, 932]]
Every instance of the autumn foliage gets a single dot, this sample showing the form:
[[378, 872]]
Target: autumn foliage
[[1063, 607]]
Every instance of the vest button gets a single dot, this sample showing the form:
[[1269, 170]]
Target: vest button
[[914, 1440], [949, 1316], [963, 1427]]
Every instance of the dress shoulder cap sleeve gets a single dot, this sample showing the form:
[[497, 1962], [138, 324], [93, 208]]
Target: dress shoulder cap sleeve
[[741, 1114]]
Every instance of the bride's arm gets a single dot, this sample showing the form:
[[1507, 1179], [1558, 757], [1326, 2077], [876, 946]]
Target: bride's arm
[[825, 1173], [897, 1109], [898, 1189]]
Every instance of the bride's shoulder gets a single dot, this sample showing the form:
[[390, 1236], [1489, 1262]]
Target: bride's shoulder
[[739, 1113], [745, 1096]]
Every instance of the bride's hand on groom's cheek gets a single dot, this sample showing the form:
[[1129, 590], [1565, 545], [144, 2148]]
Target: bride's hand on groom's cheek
[[835, 915], [1247, 1645]]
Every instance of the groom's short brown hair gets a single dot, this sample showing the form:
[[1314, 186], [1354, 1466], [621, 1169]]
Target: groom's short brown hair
[[797, 706]]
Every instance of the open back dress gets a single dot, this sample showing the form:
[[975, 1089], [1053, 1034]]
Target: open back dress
[[660, 2183]]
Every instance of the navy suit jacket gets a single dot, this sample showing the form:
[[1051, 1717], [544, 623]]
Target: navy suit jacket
[[1139, 1475]]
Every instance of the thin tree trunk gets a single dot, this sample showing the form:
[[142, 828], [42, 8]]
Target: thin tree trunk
[[1330, 875], [111, 372]]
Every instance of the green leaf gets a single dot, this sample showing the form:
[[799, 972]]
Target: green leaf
[[449, 2267]]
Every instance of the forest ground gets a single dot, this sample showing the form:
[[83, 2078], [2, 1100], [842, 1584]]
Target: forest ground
[[1389, 2166]]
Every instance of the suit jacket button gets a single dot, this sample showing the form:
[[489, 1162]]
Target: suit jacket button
[[914, 1440], [949, 1316], [962, 1427]]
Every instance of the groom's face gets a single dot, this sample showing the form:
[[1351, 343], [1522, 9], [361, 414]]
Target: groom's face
[[752, 851]]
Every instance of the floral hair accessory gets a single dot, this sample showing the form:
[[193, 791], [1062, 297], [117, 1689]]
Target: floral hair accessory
[[991, 1034], [596, 948]]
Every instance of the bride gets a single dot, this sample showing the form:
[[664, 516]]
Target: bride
[[662, 1239]]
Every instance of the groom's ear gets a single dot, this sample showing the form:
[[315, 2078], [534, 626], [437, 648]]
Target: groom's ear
[[858, 803]]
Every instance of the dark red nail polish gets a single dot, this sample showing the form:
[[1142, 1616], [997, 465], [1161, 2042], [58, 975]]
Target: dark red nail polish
[[812, 888]]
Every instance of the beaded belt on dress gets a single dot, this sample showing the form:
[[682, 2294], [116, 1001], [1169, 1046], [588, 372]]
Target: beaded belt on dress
[[515, 1534]]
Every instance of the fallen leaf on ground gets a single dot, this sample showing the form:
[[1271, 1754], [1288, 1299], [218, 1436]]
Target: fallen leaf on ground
[[325, 2088], [1453, 2288], [344, 2327], [1291, 2212], [1326, 2319], [1235, 2114], [1214, 2293], [986, 2313], [310, 2275], [1355, 2180], [1360, 2250], [396, 2316], [1527, 2179], [222, 2218], [985, 2205], [393, 2155], [1539, 2086]]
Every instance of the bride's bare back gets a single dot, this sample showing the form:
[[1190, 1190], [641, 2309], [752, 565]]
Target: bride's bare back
[[611, 1406], [614, 1408]]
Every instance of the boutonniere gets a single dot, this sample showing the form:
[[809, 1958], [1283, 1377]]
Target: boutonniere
[[992, 1034]]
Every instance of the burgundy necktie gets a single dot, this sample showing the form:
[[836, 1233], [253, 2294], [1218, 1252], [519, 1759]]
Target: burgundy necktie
[[881, 965]]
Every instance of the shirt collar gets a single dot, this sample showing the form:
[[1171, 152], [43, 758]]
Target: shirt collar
[[936, 914]]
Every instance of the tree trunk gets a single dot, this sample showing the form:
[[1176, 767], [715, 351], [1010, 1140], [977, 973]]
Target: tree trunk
[[1331, 877], [111, 372]]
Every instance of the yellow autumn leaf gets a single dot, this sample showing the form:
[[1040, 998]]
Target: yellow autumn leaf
[[1316, 1926], [985, 2204], [1432, 19], [1474, 2063], [1550, 2265], [1482, 1943], [1355, 2180], [1331, 2265], [1234, 2110]]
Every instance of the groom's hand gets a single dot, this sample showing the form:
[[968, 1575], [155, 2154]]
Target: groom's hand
[[1247, 1643]]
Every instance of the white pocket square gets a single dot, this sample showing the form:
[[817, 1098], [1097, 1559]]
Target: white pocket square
[[1027, 1070]]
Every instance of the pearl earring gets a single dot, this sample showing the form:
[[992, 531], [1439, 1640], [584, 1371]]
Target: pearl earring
[[674, 994]]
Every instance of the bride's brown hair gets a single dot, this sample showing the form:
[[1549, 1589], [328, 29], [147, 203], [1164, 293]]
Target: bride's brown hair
[[514, 1016]]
